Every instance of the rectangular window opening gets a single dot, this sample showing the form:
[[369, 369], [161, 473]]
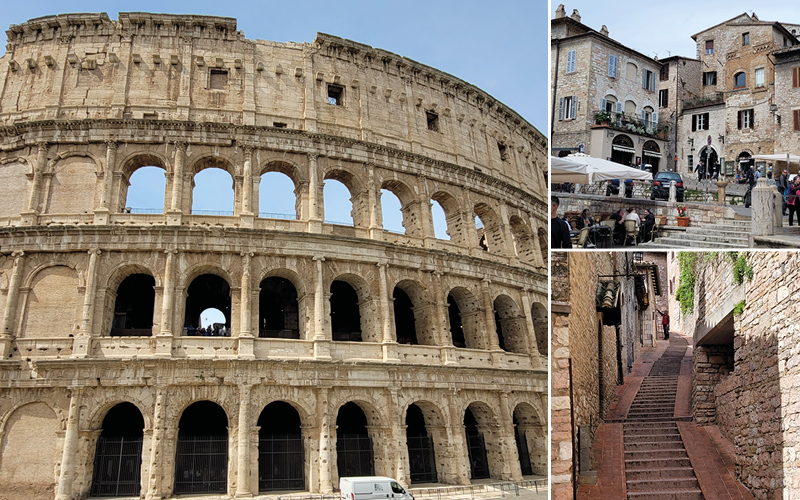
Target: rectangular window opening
[[663, 98], [503, 151], [746, 38], [433, 121], [335, 94], [709, 78], [709, 47], [759, 77], [218, 79], [278, 124], [664, 73]]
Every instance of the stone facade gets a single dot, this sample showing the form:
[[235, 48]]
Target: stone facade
[[693, 144], [787, 100], [675, 70], [86, 101]]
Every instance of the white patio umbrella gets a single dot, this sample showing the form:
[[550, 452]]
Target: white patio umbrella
[[788, 157], [603, 170], [564, 170]]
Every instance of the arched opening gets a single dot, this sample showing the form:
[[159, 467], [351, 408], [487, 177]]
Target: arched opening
[[391, 209], [511, 329], [481, 230], [281, 463], [345, 312], [651, 155], [338, 203], [540, 323], [543, 244], [744, 161], [453, 224], [709, 158], [421, 456], [492, 229], [440, 230], [631, 72], [465, 317], [622, 150], [476, 447], [522, 449], [133, 307], [210, 196], [608, 104], [207, 291], [524, 245], [530, 434], [277, 198], [740, 80], [278, 314], [118, 455], [201, 456], [146, 191], [30, 474], [404, 322], [354, 455]]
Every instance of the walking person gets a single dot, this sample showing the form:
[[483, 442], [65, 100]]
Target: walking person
[[783, 185], [791, 200], [665, 323]]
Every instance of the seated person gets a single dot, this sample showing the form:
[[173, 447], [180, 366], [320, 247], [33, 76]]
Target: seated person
[[632, 215], [585, 220], [619, 227], [646, 229]]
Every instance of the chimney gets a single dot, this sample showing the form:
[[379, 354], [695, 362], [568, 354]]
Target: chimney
[[755, 17], [560, 12], [575, 15], [604, 30]]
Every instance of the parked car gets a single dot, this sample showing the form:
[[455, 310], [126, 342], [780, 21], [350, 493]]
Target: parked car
[[371, 488], [661, 186]]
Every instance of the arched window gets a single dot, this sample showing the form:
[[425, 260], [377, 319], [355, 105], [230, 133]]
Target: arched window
[[354, 454], [133, 308], [391, 211], [278, 314], [345, 312], [201, 455], [740, 80], [213, 192], [281, 463], [146, 191], [118, 454], [421, 456], [276, 196], [208, 291], [338, 203]]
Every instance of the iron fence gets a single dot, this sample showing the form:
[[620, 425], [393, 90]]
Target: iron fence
[[422, 461], [117, 466], [354, 455], [201, 464], [280, 462], [522, 450]]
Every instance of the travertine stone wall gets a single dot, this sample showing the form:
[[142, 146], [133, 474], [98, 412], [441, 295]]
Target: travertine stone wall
[[787, 98]]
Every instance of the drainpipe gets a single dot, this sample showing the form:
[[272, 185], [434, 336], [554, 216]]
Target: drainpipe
[[555, 86]]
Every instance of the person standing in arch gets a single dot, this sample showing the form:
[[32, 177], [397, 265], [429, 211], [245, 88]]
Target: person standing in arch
[[665, 323]]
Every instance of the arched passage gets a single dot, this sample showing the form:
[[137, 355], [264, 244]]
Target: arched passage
[[476, 447], [622, 149], [464, 313], [281, 463], [32, 475], [213, 191], [145, 191], [511, 327], [484, 444], [277, 196], [278, 315], [404, 322], [540, 323], [201, 456], [354, 453], [421, 454], [452, 215], [413, 315], [524, 244], [409, 206], [345, 202], [118, 454], [492, 228], [345, 312], [543, 244], [531, 437], [207, 291], [391, 210], [133, 307]]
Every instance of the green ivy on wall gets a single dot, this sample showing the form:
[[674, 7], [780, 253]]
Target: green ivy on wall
[[685, 293]]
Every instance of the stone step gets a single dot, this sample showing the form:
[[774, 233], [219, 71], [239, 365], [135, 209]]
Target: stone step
[[692, 494], [676, 243], [653, 444], [651, 438], [638, 419], [656, 463], [664, 472], [664, 424], [663, 484], [732, 238], [657, 453]]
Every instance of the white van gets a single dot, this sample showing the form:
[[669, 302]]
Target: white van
[[371, 488]]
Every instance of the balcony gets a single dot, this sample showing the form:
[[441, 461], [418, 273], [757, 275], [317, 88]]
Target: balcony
[[630, 123]]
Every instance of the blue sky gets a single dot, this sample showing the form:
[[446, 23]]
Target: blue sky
[[501, 47]]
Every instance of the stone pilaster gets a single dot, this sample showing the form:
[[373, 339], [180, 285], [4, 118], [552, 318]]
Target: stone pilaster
[[82, 345], [246, 337], [69, 454], [321, 340], [156, 449], [12, 300], [243, 445]]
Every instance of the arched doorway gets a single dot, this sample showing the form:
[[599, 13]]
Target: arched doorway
[[354, 455], [709, 161], [118, 454], [421, 457], [345, 312], [522, 449], [133, 308], [207, 291], [404, 321], [278, 315], [476, 447], [651, 154], [281, 464], [744, 161], [622, 150], [540, 323], [201, 455]]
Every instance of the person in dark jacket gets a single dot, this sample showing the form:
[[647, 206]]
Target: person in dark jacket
[[559, 231], [792, 201], [585, 220], [783, 183], [646, 229]]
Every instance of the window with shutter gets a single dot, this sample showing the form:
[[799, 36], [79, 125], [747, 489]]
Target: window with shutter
[[571, 56], [561, 109], [664, 73], [694, 123], [603, 104], [654, 120], [612, 66], [619, 107], [796, 114], [574, 106], [709, 47], [796, 77]]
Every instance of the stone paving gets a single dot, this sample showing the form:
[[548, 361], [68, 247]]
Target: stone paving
[[648, 448]]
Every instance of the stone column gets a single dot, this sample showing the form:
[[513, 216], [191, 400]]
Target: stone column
[[101, 215], [247, 215], [68, 456], [29, 217], [511, 466], [721, 185], [246, 338], [243, 445], [762, 222], [325, 452], [175, 213], [164, 337], [81, 345], [154, 481], [314, 216], [442, 334], [388, 343], [460, 459], [12, 299], [488, 311], [399, 448], [375, 226], [673, 192], [533, 346], [322, 348]]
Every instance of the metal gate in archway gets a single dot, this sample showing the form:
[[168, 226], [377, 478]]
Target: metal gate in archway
[[422, 461], [478, 462], [524, 454], [354, 455], [280, 462], [117, 466], [201, 464]]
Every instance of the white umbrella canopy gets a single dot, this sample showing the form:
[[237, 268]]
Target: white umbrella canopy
[[788, 157], [564, 170], [603, 170]]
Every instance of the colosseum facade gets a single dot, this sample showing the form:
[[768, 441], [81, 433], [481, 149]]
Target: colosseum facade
[[346, 350]]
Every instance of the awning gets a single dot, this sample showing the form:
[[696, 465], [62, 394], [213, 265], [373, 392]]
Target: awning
[[650, 153], [624, 149]]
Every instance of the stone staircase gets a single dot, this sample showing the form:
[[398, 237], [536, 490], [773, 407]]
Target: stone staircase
[[730, 234], [656, 464]]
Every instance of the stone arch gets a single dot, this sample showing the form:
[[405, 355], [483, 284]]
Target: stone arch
[[32, 425], [358, 194], [118, 452], [409, 205], [53, 291], [202, 469], [530, 434], [436, 426], [204, 290], [95, 420], [421, 311], [367, 308], [290, 170], [540, 320], [492, 228], [453, 216], [279, 308], [490, 431], [356, 444], [543, 243], [209, 161], [130, 165], [524, 244], [465, 316], [72, 178], [511, 325], [281, 451]]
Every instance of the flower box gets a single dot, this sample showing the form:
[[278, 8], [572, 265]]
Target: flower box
[[683, 221]]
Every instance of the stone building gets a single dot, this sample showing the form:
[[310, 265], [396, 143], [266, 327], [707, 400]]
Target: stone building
[[604, 96], [745, 372], [345, 350], [678, 82], [787, 101], [601, 315]]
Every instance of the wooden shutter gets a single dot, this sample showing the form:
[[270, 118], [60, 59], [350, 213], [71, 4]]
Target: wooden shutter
[[739, 120], [694, 123], [574, 107], [796, 77], [654, 119], [752, 113], [603, 103], [619, 107], [561, 109], [612, 66], [571, 56], [705, 121], [796, 114], [644, 78]]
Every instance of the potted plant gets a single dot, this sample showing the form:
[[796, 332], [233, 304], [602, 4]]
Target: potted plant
[[602, 117], [683, 219]]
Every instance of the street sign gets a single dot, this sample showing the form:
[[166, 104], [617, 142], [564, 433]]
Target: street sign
[[709, 140], [581, 146]]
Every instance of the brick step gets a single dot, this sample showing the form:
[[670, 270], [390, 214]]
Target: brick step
[[653, 444], [663, 484], [653, 403], [648, 437], [667, 495], [637, 419], [663, 425], [665, 472], [656, 463], [656, 453]]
